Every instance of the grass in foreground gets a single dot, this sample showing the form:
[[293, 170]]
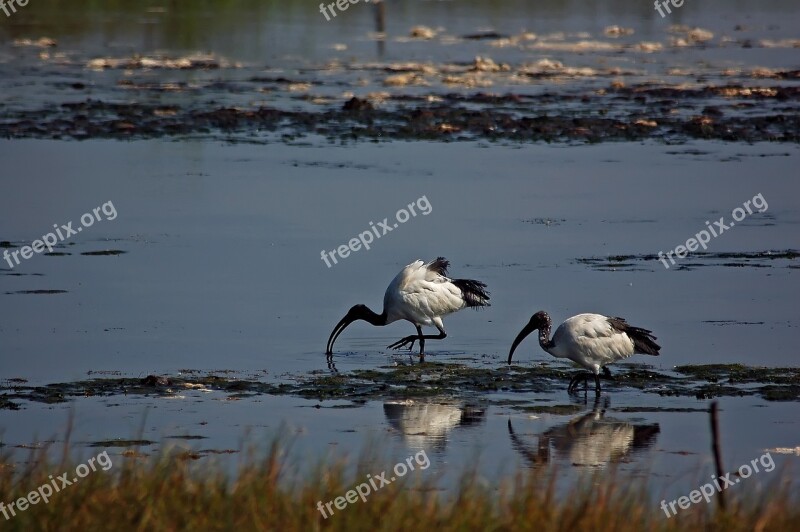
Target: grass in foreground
[[173, 493]]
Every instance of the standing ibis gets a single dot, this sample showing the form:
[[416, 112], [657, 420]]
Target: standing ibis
[[421, 293], [590, 340]]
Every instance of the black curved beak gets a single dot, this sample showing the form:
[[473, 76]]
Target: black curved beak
[[341, 326], [529, 328]]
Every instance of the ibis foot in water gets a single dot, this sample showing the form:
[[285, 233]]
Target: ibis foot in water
[[409, 341], [583, 376]]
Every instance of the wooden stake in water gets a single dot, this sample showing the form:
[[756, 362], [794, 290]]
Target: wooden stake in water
[[715, 448], [380, 26], [380, 17]]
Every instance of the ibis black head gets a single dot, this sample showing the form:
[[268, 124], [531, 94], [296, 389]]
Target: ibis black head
[[540, 321], [357, 312]]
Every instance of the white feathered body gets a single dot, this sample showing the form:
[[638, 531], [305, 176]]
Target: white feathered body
[[590, 341], [421, 296]]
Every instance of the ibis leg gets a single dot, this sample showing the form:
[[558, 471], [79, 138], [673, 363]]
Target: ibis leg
[[409, 340], [403, 342], [583, 377], [579, 377]]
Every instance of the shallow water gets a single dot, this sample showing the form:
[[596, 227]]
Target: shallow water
[[221, 271]]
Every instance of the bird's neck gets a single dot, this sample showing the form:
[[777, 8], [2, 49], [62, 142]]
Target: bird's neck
[[374, 318], [544, 338]]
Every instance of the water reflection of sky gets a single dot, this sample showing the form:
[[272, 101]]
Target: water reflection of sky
[[270, 31]]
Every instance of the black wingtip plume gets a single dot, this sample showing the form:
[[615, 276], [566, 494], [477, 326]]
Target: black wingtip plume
[[644, 342], [475, 293]]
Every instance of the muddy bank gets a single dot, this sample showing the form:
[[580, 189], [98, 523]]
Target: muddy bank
[[618, 114]]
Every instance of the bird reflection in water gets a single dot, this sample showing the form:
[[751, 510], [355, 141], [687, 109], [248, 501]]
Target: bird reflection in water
[[591, 439], [425, 425]]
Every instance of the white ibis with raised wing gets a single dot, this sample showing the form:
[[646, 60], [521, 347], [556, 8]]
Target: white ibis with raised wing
[[421, 293]]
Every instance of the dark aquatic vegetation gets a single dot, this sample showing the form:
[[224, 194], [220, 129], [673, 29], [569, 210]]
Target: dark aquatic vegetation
[[428, 380], [104, 253]]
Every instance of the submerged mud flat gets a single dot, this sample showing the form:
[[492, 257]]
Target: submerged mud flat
[[480, 115], [455, 381], [451, 119], [696, 259], [557, 87]]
